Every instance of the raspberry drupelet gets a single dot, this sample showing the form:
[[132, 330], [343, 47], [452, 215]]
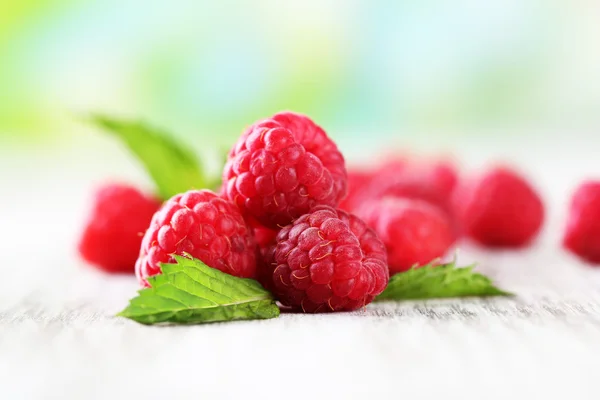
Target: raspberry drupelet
[[282, 167], [201, 224], [327, 260]]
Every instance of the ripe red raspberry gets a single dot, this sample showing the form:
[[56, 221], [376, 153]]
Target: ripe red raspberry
[[414, 232], [431, 182], [113, 234], [394, 164], [265, 239], [499, 209], [203, 225], [358, 180], [327, 260], [264, 236], [582, 235], [283, 166]]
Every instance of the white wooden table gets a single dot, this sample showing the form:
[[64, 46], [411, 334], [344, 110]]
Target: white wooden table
[[59, 339]]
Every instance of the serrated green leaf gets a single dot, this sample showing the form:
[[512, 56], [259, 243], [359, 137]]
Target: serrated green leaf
[[171, 165], [440, 281], [189, 292]]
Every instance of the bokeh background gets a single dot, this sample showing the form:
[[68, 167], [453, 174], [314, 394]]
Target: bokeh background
[[205, 69], [515, 81]]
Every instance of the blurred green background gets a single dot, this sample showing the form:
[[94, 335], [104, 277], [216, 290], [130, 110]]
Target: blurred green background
[[390, 68]]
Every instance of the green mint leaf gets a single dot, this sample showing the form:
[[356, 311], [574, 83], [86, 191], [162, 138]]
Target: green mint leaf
[[171, 165], [189, 292], [440, 281]]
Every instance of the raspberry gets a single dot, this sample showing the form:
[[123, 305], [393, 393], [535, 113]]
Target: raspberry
[[391, 165], [432, 182], [264, 236], [499, 209], [582, 235], [265, 267], [265, 239], [360, 180], [203, 225], [414, 232], [113, 234], [282, 167], [357, 181], [327, 260]]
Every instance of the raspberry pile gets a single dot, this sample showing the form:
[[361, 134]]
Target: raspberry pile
[[276, 220], [322, 239]]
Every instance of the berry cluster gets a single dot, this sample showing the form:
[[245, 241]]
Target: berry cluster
[[421, 208], [320, 238]]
